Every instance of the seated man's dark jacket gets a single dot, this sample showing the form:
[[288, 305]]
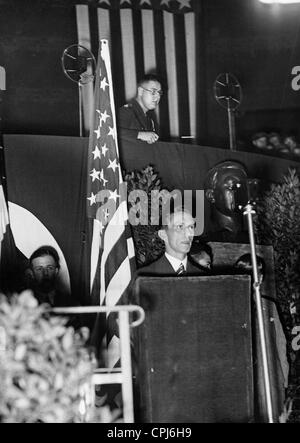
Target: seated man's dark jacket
[[132, 120]]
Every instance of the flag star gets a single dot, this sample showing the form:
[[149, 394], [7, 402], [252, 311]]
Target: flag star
[[105, 1], [111, 132], [114, 195], [96, 152], [125, 1], [103, 84], [113, 165], [104, 181], [95, 175], [165, 2], [92, 199], [142, 2], [97, 131], [184, 3], [104, 116], [104, 149]]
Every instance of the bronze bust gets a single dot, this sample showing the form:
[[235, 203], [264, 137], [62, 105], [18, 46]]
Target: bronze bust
[[225, 188]]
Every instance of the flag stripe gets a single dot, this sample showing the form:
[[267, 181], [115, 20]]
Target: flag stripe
[[103, 24], [95, 246], [118, 283], [148, 41], [138, 44], [182, 81], [128, 50], [117, 56], [115, 258], [191, 65], [171, 73], [83, 26], [84, 39], [149, 45], [162, 72], [94, 36]]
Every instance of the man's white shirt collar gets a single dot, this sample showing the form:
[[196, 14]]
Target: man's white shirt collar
[[175, 262]]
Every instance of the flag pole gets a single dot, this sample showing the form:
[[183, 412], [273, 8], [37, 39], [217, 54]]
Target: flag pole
[[80, 108], [2, 162], [249, 211]]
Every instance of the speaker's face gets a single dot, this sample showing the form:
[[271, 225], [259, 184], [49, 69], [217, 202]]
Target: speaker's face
[[179, 234]]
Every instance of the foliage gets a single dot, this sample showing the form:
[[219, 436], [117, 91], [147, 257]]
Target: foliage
[[148, 245], [45, 367], [277, 223]]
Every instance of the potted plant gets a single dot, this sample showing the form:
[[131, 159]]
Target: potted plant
[[45, 366]]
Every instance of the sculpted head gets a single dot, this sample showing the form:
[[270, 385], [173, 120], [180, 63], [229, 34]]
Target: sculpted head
[[224, 184]]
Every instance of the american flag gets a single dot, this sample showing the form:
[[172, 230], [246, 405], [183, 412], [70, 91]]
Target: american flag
[[159, 36], [112, 251]]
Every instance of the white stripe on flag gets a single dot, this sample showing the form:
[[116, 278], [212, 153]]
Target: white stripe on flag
[[113, 232], [171, 73], [118, 283], [149, 49], [103, 24], [83, 26], [113, 352], [96, 244], [148, 40], [130, 247], [189, 19], [128, 53], [84, 39]]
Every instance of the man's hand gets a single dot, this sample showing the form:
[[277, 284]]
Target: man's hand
[[148, 136]]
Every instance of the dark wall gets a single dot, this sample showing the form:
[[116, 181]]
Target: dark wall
[[39, 99], [258, 43]]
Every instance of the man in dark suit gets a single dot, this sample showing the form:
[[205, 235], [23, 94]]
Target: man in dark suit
[[136, 120], [177, 234]]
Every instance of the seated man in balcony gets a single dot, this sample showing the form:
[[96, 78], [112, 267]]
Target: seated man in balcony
[[136, 118]]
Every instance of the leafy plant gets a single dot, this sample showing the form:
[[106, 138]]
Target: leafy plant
[[45, 366], [148, 245], [277, 223]]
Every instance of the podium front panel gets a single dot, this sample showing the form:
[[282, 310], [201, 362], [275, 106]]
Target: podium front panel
[[193, 350]]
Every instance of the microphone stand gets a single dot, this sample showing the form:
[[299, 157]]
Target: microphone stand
[[248, 211]]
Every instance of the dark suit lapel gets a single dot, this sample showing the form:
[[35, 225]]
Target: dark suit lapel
[[166, 266]]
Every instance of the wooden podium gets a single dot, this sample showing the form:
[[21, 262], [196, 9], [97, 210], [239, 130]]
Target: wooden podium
[[193, 351]]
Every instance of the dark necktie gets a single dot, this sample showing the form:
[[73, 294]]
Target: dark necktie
[[180, 270]]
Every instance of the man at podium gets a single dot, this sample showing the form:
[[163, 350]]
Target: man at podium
[[177, 233]]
